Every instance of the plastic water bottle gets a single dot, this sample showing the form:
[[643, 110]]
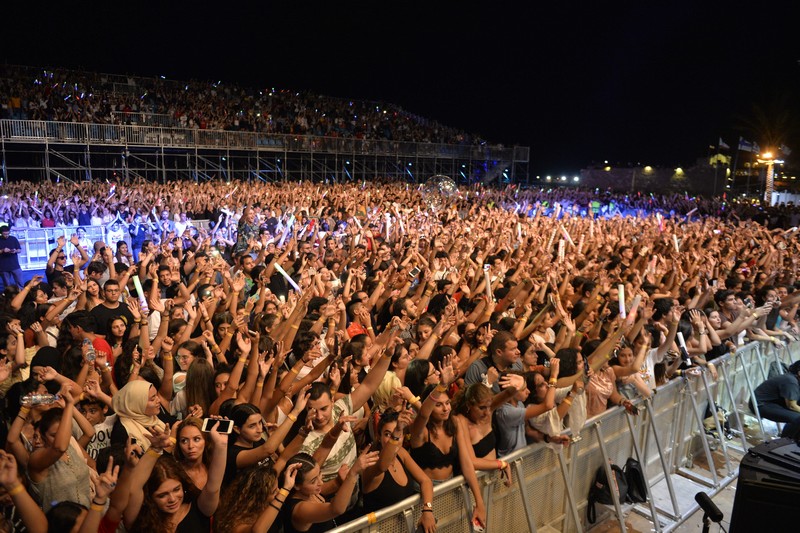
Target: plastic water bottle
[[38, 399], [91, 355]]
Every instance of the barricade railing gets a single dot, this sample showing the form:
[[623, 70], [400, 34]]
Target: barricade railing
[[669, 437], [156, 131], [36, 243]]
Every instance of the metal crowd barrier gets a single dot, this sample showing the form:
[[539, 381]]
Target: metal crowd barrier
[[678, 456], [36, 243]]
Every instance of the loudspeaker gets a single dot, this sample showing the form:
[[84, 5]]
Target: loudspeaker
[[768, 489]]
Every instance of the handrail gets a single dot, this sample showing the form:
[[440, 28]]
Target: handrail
[[12, 130]]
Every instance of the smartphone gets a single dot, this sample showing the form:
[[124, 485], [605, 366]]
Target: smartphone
[[414, 272], [223, 426]]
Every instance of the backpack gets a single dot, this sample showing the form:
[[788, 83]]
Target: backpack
[[637, 484], [600, 492]]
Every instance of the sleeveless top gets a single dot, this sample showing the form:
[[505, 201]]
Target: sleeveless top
[[66, 481], [194, 521], [484, 447], [286, 514], [389, 491], [430, 456]]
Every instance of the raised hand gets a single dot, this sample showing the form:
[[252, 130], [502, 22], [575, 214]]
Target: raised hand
[[107, 481]]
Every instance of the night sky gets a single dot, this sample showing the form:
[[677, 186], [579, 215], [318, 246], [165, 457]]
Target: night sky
[[627, 82]]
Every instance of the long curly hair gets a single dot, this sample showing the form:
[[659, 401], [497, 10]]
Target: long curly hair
[[150, 519], [246, 497]]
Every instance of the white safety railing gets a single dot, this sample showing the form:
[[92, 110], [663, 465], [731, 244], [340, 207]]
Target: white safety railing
[[550, 487], [36, 243], [157, 134]]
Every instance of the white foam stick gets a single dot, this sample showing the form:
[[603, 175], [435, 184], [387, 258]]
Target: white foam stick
[[681, 340], [567, 235], [402, 227], [488, 285], [634, 307], [519, 232], [557, 211], [388, 225], [580, 243], [591, 228], [691, 212], [621, 290], [550, 242], [675, 242], [561, 245], [358, 222], [233, 191], [288, 278]]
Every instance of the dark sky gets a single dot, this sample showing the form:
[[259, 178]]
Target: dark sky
[[628, 82]]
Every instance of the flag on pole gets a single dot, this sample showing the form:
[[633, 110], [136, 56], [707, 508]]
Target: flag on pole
[[722, 145], [745, 146], [785, 150], [756, 148]]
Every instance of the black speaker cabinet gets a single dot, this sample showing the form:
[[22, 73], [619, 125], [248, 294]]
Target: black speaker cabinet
[[768, 489]]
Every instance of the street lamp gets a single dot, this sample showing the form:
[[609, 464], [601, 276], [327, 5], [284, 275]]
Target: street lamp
[[768, 158]]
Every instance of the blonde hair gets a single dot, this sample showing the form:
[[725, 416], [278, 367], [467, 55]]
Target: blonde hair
[[382, 397]]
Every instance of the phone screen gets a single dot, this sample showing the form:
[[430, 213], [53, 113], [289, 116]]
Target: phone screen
[[224, 426]]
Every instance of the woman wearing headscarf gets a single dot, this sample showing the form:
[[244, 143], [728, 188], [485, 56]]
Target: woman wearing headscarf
[[137, 406]]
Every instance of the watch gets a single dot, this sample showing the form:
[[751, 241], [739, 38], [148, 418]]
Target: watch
[[428, 506]]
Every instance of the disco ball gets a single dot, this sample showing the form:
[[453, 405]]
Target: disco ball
[[437, 190]]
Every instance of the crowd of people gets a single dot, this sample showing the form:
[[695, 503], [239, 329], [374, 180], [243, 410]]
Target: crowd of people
[[70, 96], [323, 351]]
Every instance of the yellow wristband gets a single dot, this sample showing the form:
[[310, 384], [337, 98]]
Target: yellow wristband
[[155, 452], [441, 388], [283, 492], [173, 440], [242, 359], [291, 417], [16, 489], [166, 358], [295, 370], [294, 326], [98, 508]]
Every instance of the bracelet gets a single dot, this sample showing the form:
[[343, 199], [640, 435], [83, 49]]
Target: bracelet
[[552, 381], [441, 388], [369, 328], [98, 508], [546, 437], [567, 401], [155, 452], [295, 370], [294, 326], [16, 489], [173, 440], [100, 504], [242, 359], [427, 510], [283, 492], [275, 506], [292, 417], [167, 358], [415, 399], [482, 348], [24, 411]]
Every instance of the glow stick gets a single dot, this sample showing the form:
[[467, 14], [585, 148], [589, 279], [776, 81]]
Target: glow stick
[[691, 212], [557, 211], [358, 222], [621, 289], [488, 284], [566, 235], [388, 225], [402, 227], [288, 278], [675, 242], [550, 242], [140, 293], [681, 340], [561, 246], [660, 220], [233, 191], [634, 307]]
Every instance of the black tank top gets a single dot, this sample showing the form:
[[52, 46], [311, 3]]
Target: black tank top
[[388, 492], [286, 512], [430, 456], [484, 447]]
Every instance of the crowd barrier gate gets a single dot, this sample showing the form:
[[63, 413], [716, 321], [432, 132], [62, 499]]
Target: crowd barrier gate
[[551, 484], [36, 243]]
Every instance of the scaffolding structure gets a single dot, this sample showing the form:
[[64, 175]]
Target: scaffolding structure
[[77, 152]]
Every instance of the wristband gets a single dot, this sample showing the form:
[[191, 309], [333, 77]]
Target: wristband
[[242, 359], [441, 388], [482, 348], [552, 381], [260, 383], [16, 489], [567, 401], [546, 437], [24, 411], [415, 399], [166, 358], [295, 370], [294, 326], [151, 450], [292, 417], [100, 504], [283, 492], [427, 510], [96, 507], [173, 440]]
